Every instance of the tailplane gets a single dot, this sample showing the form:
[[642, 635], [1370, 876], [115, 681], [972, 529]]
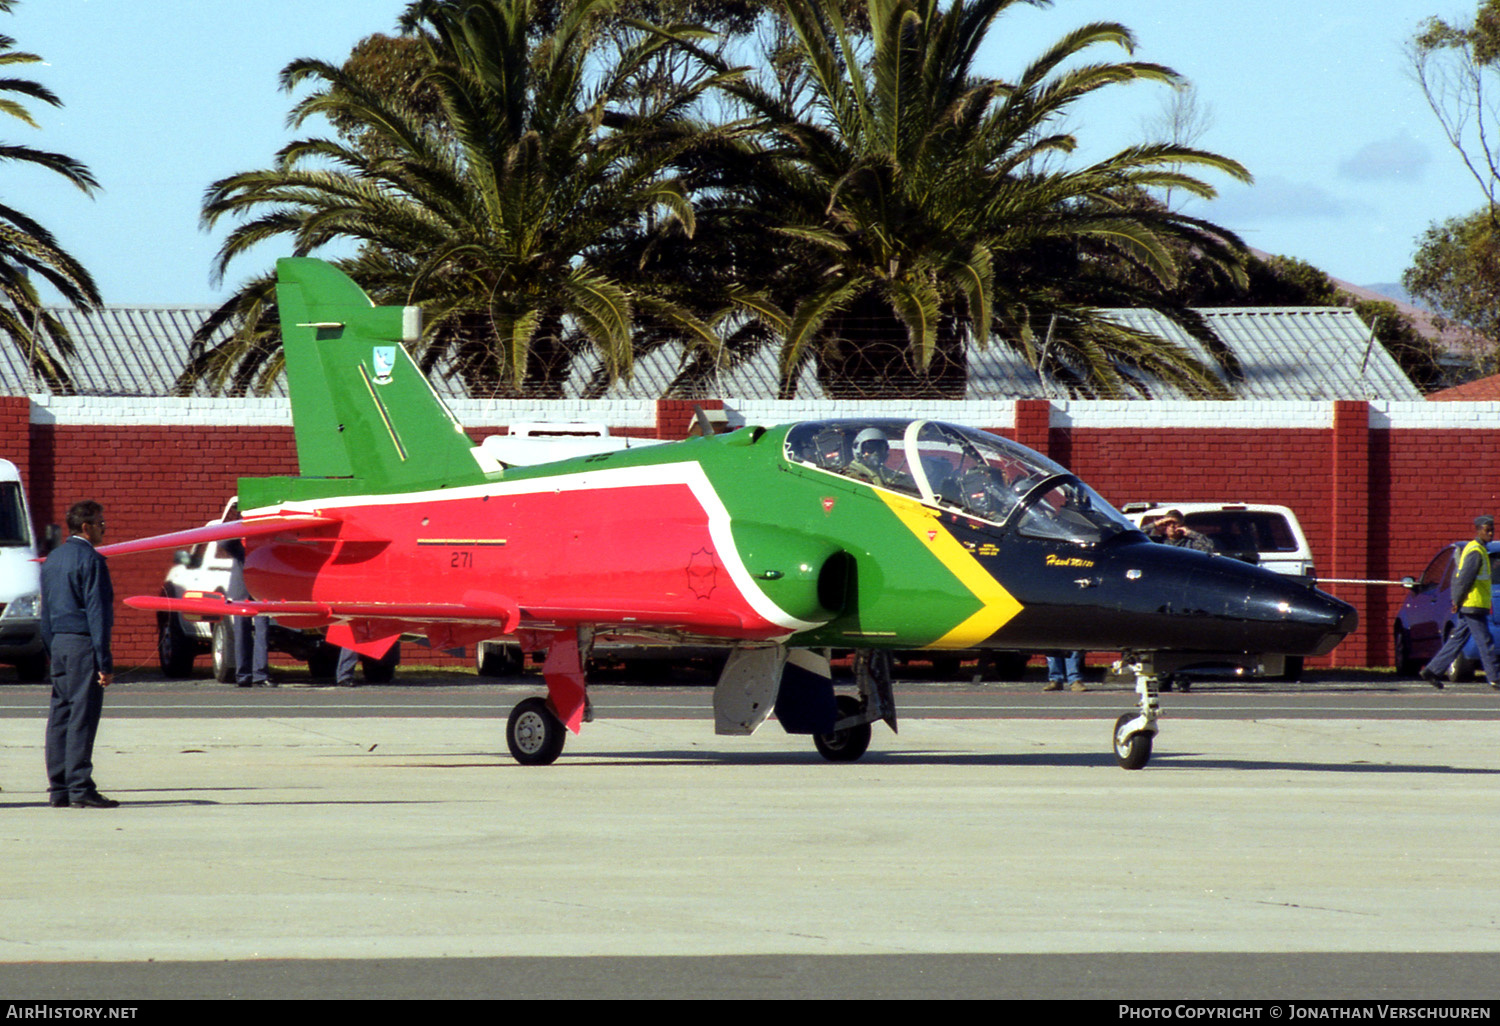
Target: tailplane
[[364, 415]]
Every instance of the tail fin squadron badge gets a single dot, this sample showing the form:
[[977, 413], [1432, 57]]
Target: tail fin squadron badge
[[384, 359]]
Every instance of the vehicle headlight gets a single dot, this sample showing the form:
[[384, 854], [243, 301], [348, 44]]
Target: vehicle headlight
[[22, 606]]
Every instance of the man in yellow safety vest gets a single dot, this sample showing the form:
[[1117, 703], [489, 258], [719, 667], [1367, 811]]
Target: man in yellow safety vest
[[1472, 600]]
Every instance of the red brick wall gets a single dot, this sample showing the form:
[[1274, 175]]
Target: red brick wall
[[1375, 503]]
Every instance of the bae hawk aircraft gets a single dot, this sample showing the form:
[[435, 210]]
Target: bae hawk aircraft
[[781, 544]]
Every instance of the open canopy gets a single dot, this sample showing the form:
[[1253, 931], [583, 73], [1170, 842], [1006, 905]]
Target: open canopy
[[982, 476]]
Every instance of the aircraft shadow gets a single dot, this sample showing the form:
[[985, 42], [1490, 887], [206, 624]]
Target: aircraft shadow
[[1161, 761]]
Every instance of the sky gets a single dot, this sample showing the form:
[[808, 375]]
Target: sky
[[163, 97]]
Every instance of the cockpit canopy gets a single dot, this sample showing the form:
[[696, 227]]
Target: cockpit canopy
[[982, 476]]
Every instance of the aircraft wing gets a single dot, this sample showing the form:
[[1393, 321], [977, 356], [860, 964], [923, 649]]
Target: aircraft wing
[[255, 528], [486, 611]]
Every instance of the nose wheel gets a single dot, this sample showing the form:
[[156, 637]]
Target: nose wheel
[[1132, 747], [1134, 732]]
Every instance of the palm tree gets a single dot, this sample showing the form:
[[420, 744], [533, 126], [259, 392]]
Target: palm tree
[[915, 201], [28, 249], [491, 196]]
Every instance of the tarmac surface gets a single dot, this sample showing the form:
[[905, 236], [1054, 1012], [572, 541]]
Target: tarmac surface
[[1334, 839]]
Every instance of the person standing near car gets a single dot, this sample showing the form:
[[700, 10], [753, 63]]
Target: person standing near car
[[1172, 530], [77, 620], [1472, 598]]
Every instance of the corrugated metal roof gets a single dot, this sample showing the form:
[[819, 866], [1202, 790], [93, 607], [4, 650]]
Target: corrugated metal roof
[[1304, 353], [1301, 353], [121, 350]]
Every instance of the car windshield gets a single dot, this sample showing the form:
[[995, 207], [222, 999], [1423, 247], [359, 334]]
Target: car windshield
[[14, 530], [972, 472]]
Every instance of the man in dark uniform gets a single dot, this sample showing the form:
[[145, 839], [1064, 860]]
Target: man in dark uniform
[[77, 618]]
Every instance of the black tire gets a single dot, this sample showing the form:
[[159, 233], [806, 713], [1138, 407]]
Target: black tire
[[379, 671], [32, 669], [1007, 665], [175, 651], [1406, 664], [534, 735], [947, 667], [223, 649], [848, 744], [323, 661], [1462, 670], [493, 659], [1292, 668], [1135, 751]]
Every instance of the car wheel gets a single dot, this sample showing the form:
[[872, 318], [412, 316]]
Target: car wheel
[[223, 649], [1462, 670], [1406, 665], [32, 669], [323, 661], [497, 659], [1008, 666], [382, 670], [175, 651]]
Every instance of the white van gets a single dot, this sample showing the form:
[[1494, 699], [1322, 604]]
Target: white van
[[20, 581]]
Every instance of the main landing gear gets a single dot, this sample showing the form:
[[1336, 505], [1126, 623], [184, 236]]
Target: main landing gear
[[850, 736]]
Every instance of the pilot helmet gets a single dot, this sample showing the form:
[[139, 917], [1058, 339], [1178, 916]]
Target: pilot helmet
[[871, 446]]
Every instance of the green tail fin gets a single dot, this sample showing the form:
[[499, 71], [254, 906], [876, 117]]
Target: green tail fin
[[365, 417]]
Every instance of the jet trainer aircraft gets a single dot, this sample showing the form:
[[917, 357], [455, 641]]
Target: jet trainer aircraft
[[780, 543]]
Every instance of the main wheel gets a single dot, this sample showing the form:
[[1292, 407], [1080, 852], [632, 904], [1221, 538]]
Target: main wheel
[[848, 744], [535, 736], [175, 651], [1135, 751]]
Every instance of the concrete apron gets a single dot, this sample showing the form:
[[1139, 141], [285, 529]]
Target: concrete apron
[[391, 837]]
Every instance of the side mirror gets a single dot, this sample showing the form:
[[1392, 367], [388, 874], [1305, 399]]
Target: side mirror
[[51, 538], [182, 557]]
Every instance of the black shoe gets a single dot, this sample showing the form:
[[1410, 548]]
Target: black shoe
[[1431, 678], [59, 801], [95, 801]]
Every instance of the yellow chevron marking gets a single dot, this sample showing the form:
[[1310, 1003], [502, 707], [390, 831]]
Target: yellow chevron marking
[[999, 606]]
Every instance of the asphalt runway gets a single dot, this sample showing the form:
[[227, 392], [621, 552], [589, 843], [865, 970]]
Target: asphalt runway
[[1334, 839]]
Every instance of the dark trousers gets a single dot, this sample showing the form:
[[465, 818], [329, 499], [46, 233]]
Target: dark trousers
[[251, 654], [77, 701], [1472, 623]]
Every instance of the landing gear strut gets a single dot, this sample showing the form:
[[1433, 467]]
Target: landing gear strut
[[1134, 732]]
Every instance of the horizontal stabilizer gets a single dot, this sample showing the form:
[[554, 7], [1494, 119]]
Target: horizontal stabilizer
[[255, 528]]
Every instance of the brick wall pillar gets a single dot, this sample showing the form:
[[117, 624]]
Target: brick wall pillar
[[1033, 423], [673, 416], [1351, 526]]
